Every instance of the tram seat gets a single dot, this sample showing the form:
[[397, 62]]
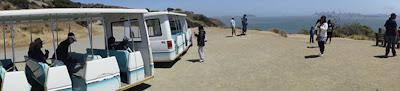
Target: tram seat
[[131, 70], [58, 78], [13, 82], [36, 71], [7, 64]]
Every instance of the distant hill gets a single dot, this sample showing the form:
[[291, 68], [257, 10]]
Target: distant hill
[[35, 4], [195, 20]]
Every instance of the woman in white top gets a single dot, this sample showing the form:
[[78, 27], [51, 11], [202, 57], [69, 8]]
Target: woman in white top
[[322, 34], [233, 25]]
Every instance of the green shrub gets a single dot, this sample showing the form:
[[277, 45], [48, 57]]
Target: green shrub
[[354, 31], [304, 31], [278, 31]]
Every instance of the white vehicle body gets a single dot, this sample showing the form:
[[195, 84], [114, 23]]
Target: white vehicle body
[[169, 34], [104, 70]]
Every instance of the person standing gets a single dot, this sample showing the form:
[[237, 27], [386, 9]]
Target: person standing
[[330, 31], [233, 25], [312, 34], [322, 34], [391, 34], [201, 39], [244, 24]]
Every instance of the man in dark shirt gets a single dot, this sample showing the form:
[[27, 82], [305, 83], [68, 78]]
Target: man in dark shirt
[[201, 39], [391, 34], [62, 49], [244, 24], [35, 52]]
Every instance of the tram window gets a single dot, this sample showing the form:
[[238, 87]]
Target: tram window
[[153, 26], [175, 25], [118, 27]]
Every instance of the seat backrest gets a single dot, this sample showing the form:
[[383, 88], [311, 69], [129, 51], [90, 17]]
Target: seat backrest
[[15, 81], [135, 60], [100, 70], [7, 64], [58, 78], [120, 55]]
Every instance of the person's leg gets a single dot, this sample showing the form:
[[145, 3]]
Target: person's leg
[[388, 45], [201, 53], [233, 31], [321, 47], [393, 49], [245, 29]]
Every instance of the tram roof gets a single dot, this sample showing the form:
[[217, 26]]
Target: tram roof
[[57, 13], [164, 13]]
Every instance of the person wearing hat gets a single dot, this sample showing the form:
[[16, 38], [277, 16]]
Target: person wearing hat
[[62, 48], [391, 34]]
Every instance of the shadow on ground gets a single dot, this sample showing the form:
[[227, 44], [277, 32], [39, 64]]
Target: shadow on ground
[[194, 60], [165, 64], [312, 46], [140, 87], [311, 56], [380, 56]]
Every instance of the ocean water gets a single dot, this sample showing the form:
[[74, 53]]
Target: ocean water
[[293, 24]]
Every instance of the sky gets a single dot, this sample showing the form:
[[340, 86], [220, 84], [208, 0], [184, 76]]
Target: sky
[[262, 7]]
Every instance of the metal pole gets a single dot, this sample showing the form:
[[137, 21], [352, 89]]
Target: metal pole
[[4, 45], [105, 36], [12, 45], [90, 27], [69, 30], [130, 32], [52, 32]]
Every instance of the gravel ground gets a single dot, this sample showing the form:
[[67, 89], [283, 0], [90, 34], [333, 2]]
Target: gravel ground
[[263, 61]]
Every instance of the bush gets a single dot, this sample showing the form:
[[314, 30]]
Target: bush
[[354, 31], [278, 31], [304, 31]]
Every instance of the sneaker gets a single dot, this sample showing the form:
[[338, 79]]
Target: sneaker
[[321, 55], [201, 61]]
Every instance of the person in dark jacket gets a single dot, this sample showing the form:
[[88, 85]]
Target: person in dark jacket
[[62, 48], [391, 34], [244, 24], [35, 51], [37, 55], [201, 39], [111, 43]]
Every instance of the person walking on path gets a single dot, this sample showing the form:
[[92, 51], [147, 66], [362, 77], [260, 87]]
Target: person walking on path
[[322, 34], [244, 24], [312, 34], [233, 25], [391, 35], [201, 39], [330, 31]]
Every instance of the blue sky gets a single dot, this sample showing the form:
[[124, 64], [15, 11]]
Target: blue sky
[[262, 7]]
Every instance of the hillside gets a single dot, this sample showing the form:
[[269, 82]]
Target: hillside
[[195, 20]]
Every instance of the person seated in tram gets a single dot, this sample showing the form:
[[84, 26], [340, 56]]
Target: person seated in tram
[[124, 45], [37, 55], [111, 43], [35, 51]]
